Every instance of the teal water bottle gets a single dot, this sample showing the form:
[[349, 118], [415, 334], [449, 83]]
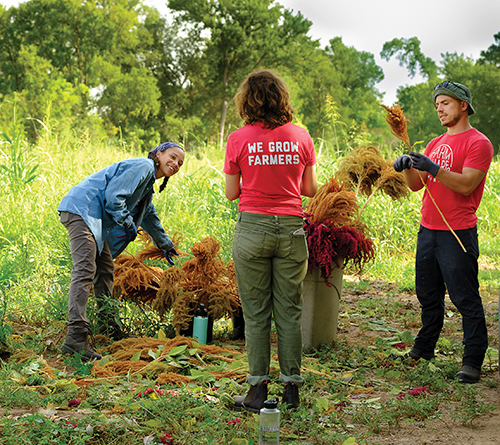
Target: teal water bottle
[[200, 324]]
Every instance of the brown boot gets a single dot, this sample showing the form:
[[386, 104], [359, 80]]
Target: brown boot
[[290, 396], [254, 400], [77, 343]]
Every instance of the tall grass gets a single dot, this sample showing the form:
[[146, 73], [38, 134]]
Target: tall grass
[[35, 259]]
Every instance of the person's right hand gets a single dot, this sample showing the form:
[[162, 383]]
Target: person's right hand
[[423, 163], [402, 163], [131, 232]]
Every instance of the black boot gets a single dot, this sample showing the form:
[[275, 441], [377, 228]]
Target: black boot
[[468, 374], [254, 400], [77, 343], [290, 396]]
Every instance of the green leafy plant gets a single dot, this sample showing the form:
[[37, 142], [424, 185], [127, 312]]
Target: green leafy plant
[[18, 169], [470, 408]]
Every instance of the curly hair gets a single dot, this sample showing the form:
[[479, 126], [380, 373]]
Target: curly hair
[[263, 97]]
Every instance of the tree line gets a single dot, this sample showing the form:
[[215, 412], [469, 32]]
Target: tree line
[[119, 68]]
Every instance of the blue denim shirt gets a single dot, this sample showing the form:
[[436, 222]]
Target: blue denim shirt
[[107, 199]]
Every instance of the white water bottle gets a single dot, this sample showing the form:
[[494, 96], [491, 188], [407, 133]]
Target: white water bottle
[[269, 423]]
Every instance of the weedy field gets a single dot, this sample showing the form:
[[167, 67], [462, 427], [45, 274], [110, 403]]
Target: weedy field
[[164, 389]]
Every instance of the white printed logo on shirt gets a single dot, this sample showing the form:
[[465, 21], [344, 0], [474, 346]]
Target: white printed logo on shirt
[[276, 153]]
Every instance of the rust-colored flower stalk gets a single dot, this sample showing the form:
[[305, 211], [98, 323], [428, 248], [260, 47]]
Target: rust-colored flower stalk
[[397, 121], [202, 279]]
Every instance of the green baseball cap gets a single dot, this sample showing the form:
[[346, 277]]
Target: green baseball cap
[[455, 90]]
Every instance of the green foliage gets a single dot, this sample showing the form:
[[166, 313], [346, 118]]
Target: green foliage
[[409, 54], [40, 430], [242, 38], [357, 75], [492, 54], [470, 407], [5, 329], [73, 56], [123, 69], [44, 92], [17, 170]]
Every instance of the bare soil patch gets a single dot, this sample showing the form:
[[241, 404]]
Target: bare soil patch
[[484, 430]]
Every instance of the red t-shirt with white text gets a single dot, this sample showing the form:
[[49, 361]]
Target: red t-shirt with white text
[[454, 152], [271, 164]]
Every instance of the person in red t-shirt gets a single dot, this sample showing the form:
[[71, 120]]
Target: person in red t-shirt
[[454, 167], [269, 164]]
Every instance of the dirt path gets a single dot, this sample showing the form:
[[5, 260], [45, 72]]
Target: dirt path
[[445, 431], [485, 431]]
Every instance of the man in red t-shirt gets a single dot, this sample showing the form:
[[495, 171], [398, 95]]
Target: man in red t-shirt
[[453, 167]]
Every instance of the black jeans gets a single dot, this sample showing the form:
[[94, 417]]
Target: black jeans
[[442, 264]]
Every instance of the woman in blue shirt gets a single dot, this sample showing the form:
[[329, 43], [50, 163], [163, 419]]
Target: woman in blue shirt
[[102, 214]]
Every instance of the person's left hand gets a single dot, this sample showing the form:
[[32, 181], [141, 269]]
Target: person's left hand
[[423, 163], [168, 255]]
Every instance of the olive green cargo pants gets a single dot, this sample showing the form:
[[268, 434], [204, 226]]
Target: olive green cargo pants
[[270, 257]]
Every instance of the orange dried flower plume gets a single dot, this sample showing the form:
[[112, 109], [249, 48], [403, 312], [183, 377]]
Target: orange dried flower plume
[[203, 279], [397, 121]]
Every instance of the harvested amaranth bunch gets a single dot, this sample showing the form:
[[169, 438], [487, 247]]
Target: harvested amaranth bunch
[[183, 309], [169, 378], [202, 279], [361, 169], [393, 183], [335, 246], [221, 302], [336, 236], [365, 172], [151, 252], [169, 290], [332, 202], [397, 122], [135, 280], [208, 277]]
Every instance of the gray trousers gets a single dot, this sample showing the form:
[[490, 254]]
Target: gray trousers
[[89, 267], [270, 258]]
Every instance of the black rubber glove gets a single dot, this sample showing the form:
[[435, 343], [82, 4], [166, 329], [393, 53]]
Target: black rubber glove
[[168, 255], [131, 232], [423, 163], [402, 163]]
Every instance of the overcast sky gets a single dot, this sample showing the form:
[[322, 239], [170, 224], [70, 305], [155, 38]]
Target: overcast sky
[[463, 26]]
